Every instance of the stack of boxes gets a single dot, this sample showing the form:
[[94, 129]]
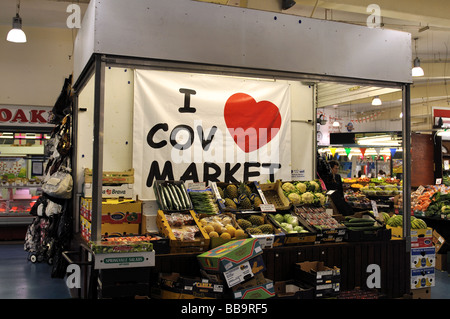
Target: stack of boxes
[[119, 217], [323, 279], [423, 258], [239, 266]]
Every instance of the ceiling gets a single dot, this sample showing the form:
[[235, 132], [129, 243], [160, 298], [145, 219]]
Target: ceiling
[[428, 21]]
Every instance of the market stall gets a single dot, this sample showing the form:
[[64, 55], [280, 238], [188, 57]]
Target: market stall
[[157, 102], [23, 137]]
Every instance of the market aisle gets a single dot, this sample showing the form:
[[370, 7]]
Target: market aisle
[[441, 290], [21, 279]]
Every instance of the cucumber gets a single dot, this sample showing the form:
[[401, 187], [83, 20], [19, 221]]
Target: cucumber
[[185, 195], [180, 197], [359, 224], [365, 228], [163, 198], [168, 199], [173, 197], [180, 201], [355, 220]]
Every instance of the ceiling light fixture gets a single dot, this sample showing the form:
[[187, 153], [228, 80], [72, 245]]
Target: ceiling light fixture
[[16, 34], [417, 70], [286, 4], [376, 101]]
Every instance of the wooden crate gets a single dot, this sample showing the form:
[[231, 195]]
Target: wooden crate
[[126, 177], [199, 244], [274, 195]]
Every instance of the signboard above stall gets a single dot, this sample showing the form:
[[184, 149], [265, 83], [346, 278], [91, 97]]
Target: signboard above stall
[[21, 116]]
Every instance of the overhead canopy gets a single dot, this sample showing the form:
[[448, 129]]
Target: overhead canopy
[[204, 33]]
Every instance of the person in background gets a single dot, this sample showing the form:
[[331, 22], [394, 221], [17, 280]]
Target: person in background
[[335, 183], [381, 173]]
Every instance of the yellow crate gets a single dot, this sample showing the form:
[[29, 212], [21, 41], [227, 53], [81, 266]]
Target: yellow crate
[[126, 177], [217, 241], [199, 244]]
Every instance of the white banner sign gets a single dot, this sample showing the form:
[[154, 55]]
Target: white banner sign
[[202, 128]]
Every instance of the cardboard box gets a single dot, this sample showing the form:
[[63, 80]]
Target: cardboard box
[[315, 273], [438, 241], [229, 255], [263, 291], [423, 257], [111, 191], [244, 271], [175, 286], [441, 262], [422, 278], [420, 238], [114, 211], [292, 290], [421, 293]]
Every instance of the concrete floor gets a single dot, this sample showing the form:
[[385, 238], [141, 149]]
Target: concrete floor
[[22, 279]]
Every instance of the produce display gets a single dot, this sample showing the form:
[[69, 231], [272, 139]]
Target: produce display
[[183, 226], [362, 224], [239, 197], [318, 218], [288, 223], [173, 196], [307, 192], [124, 244], [397, 221], [255, 224], [204, 202], [437, 201], [421, 200], [221, 226], [357, 199], [380, 190]]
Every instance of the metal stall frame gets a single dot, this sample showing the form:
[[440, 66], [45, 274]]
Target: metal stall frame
[[98, 63], [237, 42]]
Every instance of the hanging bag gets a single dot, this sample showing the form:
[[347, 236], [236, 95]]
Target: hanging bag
[[60, 183]]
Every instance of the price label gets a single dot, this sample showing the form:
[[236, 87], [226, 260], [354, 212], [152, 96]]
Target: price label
[[438, 181], [374, 208], [267, 207]]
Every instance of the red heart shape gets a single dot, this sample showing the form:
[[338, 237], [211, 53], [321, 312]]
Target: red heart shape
[[251, 124]]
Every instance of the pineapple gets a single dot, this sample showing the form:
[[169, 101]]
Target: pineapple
[[266, 228], [256, 220], [243, 223], [221, 193], [257, 202], [244, 189], [246, 203], [229, 203], [254, 231], [231, 191]]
